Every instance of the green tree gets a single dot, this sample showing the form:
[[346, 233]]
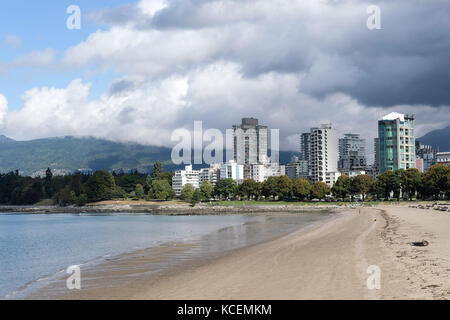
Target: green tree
[[411, 181], [301, 188], [161, 190], [361, 184], [65, 197], [157, 170], [82, 200], [437, 181], [249, 189], [139, 191], [270, 188], [284, 187], [197, 197], [226, 188], [342, 187], [16, 196], [48, 183], [32, 193], [167, 176], [100, 186], [207, 190], [76, 183], [128, 182], [387, 183], [320, 190], [187, 192]]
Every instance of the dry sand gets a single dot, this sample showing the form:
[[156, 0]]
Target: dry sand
[[328, 261]]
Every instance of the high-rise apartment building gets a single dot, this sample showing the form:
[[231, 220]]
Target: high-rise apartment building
[[352, 153], [250, 142], [397, 142], [324, 154], [305, 146], [377, 160]]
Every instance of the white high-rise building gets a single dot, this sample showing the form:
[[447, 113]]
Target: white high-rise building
[[324, 155], [184, 177]]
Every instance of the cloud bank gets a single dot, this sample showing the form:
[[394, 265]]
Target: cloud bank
[[293, 64]]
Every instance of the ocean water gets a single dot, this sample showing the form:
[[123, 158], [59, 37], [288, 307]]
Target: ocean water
[[35, 247]]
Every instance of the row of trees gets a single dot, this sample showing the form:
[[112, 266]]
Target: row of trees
[[276, 188], [79, 189], [406, 184]]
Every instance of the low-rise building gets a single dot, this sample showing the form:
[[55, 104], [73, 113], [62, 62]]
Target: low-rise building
[[184, 177], [297, 168], [262, 172], [443, 158], [353, 173], [232, 170], [427, 154], [419, 165], [211, 174], [331, 178]]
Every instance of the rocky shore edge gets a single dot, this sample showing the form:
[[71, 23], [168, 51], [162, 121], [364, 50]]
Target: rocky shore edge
[[202, 209]]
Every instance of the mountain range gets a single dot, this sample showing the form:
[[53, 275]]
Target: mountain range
[[438, 139], [69, 154]]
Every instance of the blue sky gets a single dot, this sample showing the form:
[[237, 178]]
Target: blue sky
[[41, 25]]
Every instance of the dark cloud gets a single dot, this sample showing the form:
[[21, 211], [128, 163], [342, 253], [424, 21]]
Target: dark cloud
[[118, 16], [120, 86], [327, 45]]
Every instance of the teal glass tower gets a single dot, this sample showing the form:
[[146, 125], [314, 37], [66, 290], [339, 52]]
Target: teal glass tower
[[396, 142]]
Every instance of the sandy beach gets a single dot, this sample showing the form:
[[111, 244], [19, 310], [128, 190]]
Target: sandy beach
[[328, 261]]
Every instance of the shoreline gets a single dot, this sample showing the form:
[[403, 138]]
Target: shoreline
[[327, 260], [167, 209], [166, 259], [180, 208]]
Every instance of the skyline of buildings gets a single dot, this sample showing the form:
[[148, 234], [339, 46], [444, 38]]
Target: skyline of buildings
[[251, 161], [324, 155]]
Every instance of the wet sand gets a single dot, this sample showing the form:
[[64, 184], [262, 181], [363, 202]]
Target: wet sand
[[122, 276], [328, 261]]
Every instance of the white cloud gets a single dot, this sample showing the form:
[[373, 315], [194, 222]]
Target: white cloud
[[34, 59], [3, 109], [147, 111], [294, 64], [15, 42]]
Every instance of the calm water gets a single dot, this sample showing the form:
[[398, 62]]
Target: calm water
[[35, 247]]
